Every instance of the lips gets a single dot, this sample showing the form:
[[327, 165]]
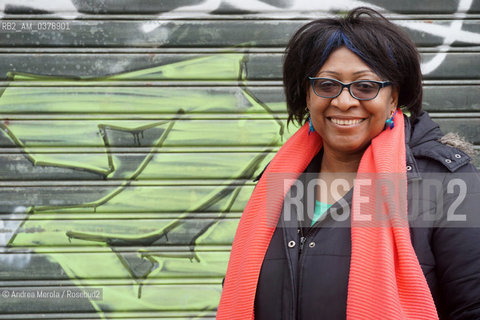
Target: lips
[[346, 122]]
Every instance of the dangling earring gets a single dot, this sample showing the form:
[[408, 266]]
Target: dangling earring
[[311, 129], [389, 122]]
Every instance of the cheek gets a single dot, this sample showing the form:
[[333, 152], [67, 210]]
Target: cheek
[[389, 104], [309, 98], [316, 105], [382, 115], [381, 109]]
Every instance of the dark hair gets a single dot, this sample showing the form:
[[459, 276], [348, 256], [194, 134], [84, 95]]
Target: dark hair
[[383, 46]]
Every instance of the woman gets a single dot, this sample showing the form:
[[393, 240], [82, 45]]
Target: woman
[[388, 237]]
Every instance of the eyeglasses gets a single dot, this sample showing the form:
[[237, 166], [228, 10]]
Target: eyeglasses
[[360, 90]]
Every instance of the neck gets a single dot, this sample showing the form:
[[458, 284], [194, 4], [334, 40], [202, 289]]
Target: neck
[[338, 171], [340, 162]]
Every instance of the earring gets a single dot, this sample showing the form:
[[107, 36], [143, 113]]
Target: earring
[[310, 124], [389, 122]]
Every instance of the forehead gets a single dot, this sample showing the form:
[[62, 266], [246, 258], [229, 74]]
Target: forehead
[[344, 61]]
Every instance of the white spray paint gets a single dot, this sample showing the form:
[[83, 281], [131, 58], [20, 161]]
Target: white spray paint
[[48, 5], [329, 5], [8, 229], [450, 37], [450, 34]]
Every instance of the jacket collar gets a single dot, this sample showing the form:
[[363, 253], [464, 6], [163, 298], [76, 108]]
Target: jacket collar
[[421, 139]]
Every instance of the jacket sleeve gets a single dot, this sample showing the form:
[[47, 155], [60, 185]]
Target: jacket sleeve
[[456, 246]]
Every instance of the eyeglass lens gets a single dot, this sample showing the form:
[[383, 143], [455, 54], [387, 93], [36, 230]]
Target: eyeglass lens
[[364, 90]]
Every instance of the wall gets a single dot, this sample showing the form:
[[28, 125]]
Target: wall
[[130, 132]]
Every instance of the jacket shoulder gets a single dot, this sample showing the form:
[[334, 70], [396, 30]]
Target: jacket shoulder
[[443, 153]]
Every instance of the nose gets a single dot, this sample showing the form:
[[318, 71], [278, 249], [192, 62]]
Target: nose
[[344, 100]]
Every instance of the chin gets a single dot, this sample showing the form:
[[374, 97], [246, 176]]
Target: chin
[[352, 148]]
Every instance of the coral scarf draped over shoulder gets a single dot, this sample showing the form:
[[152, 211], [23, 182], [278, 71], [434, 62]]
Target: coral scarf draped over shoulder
[[385, 280]]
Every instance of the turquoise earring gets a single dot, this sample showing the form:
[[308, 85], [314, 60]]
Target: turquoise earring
[[310, 124], [389, 122]]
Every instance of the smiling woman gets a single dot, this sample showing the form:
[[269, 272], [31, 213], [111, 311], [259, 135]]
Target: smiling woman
[[346, 123], [340, 223]]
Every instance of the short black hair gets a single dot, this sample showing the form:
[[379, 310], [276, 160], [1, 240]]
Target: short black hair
[[382, 45]]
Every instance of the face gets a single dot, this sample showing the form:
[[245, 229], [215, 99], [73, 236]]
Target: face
[[347, 125]]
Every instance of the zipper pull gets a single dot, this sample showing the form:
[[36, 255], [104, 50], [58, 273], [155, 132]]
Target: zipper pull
[[302, 242]]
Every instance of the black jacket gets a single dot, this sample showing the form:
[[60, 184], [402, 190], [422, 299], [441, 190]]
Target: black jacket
[[307, 277]]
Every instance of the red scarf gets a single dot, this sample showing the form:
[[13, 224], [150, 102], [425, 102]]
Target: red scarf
[[385, 280]]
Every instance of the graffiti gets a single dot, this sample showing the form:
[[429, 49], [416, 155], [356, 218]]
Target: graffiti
[[451, 35], [128, 171], [36, 6], [9, 229], [125, 209]]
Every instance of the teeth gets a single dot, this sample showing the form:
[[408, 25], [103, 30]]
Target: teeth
[[344, 122]]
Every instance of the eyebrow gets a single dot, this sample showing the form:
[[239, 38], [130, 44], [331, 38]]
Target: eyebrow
[[355, 73], [362, 71]]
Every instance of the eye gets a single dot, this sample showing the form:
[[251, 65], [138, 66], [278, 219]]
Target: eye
[[365, 86], [326, 85]]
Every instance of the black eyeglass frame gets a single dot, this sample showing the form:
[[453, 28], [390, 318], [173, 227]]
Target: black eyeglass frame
[[382, 84]]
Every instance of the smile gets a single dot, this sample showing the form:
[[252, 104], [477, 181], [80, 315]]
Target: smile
[[346, 122]]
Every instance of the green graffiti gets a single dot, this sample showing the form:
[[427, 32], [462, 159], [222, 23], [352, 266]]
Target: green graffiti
[[153, 229]]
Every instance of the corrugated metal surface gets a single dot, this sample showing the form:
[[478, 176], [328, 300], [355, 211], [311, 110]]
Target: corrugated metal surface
[[130, 131]]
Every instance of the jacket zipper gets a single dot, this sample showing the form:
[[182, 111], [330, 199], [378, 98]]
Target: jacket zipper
[[303, 239], [299, 268], [299, 273]]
